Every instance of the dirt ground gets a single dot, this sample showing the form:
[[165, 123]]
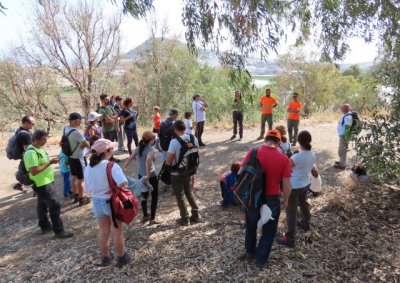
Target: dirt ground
[[354, 235]]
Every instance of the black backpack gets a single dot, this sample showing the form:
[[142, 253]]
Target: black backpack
[[65, 144], [250, 184], [22, 174], [13, 151], [189, 158], [166, 133], [356, 125]]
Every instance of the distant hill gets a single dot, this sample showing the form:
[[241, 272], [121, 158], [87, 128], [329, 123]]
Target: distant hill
[[254, 65]]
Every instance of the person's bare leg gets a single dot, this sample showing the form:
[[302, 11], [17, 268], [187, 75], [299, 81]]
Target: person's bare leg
[[118, 238], [79, 184], [74, 185], [104, 236]]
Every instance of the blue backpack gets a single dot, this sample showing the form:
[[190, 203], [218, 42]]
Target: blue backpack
[[250, 184]]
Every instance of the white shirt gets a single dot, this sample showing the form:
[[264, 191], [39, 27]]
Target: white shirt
[[199, 114], [189, 126], [175, 147], [96, 183], [345, 120], [283, 147], [301, 173]]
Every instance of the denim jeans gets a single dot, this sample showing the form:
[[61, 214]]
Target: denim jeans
[[47, 202], [67, 183], [261, 252], [131, 135]]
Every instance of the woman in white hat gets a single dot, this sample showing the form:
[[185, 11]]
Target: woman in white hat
[[96, 183], [93, 129]]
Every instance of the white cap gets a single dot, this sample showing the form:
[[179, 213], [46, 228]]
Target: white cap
[[93, 116]]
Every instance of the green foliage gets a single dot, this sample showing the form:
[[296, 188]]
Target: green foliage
[[353, 70]]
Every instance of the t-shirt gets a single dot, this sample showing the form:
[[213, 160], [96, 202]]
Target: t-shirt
[[24, 137], [301, 173], [75, 141], [275, 165], [142, 161], [294, 105], [175, 147], [283, 147], [33, 159], [106, 112], [345, 120], [267, 104], [156, 121], [189, 126], [64, 165], [199, 114], [96, 182], [131, 122]]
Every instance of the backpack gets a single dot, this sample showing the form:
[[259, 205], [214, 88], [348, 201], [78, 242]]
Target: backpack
[[166, 133], [356, 125], [165, 175], [124, 205], [189, 158], [13, 150], [250, 184], [22, 174], [65, 145]]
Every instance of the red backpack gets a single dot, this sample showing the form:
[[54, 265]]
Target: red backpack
[[124, 205]]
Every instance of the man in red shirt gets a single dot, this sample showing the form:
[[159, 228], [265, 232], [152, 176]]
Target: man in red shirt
[[276, 168]]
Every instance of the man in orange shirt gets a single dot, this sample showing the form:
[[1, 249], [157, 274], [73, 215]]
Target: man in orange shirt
[[293, 123], [267, 104]]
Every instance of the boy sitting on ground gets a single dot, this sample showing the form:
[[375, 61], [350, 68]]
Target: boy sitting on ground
[[227, 183]]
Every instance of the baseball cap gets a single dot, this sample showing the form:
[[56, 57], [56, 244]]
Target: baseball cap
[[274, 133], [102, 145], [93, 116], [75, 116], [173, 111], [147, 135]]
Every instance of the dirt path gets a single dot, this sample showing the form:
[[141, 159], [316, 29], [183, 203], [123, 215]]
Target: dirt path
[[206, 252]]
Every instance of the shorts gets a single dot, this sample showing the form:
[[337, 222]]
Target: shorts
[[76, 166], [101, 208]]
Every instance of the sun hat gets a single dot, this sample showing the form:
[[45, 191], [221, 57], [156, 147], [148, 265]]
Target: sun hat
[[93, 116], [274, 133], [102, 145], [147, 135], [75, 116]]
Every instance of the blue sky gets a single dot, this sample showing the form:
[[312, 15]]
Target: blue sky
[[16, 25]]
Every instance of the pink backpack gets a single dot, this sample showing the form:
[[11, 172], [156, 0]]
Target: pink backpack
[[124, 205]]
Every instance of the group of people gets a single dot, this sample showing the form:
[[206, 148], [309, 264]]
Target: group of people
[[83, 167]]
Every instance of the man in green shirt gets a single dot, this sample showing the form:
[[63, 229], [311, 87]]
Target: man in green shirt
[[41, 173], [237, 115]]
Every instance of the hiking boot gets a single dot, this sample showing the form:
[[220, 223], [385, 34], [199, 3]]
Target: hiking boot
[[47, 230], [233, 137], [154, 222], [105, 261], [246, 256], [64, 235], [340, 167], [284, 241], [183, 222], [195, 220], [260, 138], [123, 260], [145, 219], [84, 201], [18, 187], [76, 198], [202, 144]]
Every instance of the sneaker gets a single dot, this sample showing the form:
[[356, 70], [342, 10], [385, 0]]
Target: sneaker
[[302, 226], [240, 139], [105, 261], [260, 138], [18, 187], [64, 235], [145, 219], [246, 256], [233, 137], [47, 230], [202, 144], [183, 222], [284, 241], [66, 197], [76, 198], [123, 260], [154, 222], [84, 201], [338, 166]]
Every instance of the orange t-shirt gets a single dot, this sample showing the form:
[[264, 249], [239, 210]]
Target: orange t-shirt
[[157, 121], [267, 104], [294, 105]]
